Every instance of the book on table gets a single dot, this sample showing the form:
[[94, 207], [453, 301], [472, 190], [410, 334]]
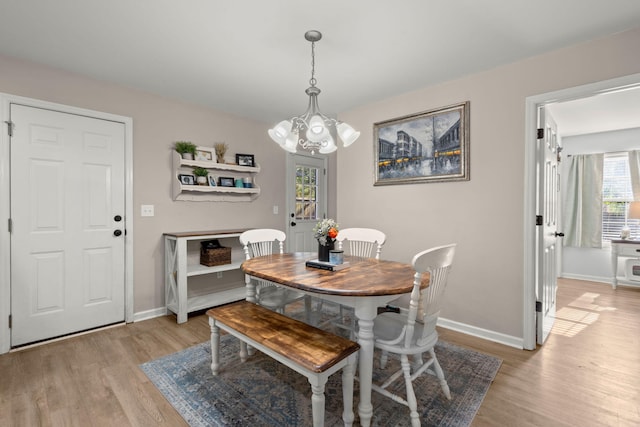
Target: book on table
[[326, 265]]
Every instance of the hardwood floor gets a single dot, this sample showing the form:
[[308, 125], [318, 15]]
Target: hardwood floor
[[587, 374]]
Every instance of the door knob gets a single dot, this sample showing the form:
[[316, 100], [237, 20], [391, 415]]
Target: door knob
[[559, 234], [293, 224], [117, 233]]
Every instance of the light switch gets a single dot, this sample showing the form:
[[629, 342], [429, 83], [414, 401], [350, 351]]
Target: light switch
[[275, 209], [146, 210]]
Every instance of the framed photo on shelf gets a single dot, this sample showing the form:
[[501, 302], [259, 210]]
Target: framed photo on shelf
[[212, 181], [204, 154], [187, 179], [431, 146], [226, 182], [245, 160]]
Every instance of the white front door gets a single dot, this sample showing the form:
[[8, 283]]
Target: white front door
[[547, 223], [67, 216], [306, 200]]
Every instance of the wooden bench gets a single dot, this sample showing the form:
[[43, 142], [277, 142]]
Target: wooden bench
[[310, 351]]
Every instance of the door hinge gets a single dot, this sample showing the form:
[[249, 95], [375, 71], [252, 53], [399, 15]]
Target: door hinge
[[324, 170], [10, 225], [9, 127], [539, 220], [540, 133], [538, 306], [10, 322]]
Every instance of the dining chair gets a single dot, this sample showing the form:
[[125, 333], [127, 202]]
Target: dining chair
[[260, 242], [412, 330], [361, 242]]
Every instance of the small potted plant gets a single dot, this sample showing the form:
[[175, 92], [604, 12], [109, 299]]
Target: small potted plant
[[221, 149], [186, 149], [201, 175]]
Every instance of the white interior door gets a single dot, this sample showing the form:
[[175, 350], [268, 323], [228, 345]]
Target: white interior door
[[67, 216], [306, 200], [547, 222]]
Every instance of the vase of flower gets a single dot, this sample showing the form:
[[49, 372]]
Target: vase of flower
[[323, 250], [325, 233]]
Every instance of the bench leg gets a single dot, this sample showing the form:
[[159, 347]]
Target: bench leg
[[317, 399], [347, 390], [215, 346]]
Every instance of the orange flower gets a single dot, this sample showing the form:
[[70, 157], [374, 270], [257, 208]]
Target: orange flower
[[332, 233]]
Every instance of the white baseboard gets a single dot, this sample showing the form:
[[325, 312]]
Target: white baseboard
[[150, 314], [587, 278], [486, 334], [443, 323]]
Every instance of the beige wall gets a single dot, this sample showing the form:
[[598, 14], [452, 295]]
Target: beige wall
[[485, 215], [157, 123]]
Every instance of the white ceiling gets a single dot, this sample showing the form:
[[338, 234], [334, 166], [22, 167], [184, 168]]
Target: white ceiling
[[250, 58], [604, 112]]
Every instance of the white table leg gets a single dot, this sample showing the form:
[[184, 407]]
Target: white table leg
[[365, 315]]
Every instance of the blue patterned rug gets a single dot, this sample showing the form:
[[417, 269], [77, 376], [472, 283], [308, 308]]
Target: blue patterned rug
[[263, 392]]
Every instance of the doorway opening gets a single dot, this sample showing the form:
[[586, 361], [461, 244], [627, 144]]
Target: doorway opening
[[532, 104]]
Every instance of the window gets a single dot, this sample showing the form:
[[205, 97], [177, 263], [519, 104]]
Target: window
[[307, 181], [617, 193]]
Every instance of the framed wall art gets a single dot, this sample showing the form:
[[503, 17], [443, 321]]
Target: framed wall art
[[245, 160], [432, 146]]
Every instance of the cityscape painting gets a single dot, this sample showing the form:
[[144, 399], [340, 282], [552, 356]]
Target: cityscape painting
[[431, 146]]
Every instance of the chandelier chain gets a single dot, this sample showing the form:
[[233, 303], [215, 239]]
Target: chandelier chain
[[313, 80]]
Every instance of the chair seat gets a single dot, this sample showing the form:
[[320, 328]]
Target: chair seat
[[275, 297], [386, 327]]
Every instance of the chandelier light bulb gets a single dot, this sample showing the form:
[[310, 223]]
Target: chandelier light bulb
[[347, 134], [316, 125], [280, 132]]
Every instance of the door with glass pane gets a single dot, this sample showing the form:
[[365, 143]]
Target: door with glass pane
[[306, 200]]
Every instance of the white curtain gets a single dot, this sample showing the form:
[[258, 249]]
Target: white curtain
[[583, 201], [634, 171]]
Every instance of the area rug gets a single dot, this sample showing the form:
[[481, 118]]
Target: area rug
[[263, 392]]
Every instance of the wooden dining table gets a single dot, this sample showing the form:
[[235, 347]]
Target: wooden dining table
[[364, 284]]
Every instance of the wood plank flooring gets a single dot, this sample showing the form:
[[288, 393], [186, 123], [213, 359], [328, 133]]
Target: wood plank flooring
[[587, 374]]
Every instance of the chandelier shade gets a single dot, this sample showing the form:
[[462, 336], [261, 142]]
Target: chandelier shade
[[312, 131]]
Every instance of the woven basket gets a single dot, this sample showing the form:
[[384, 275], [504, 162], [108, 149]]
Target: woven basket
[[211, 257]]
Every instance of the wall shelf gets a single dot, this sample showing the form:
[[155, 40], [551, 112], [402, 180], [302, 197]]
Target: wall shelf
[[213, 193]]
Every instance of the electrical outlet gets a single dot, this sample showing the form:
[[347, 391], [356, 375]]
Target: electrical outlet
[[275, 209], [147, 210], [219, 274]]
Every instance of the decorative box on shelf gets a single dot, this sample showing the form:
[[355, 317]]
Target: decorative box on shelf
[[212, 253]]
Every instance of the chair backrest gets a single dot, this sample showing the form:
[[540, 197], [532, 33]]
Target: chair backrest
[[261, 241], [364, 242], [425, 303]]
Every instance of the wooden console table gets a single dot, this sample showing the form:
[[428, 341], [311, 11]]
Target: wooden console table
[[182, 260]]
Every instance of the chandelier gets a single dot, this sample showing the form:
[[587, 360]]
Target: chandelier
[[312, 130]]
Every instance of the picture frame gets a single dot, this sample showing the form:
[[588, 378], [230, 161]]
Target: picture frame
[[245, 160], [212, 181], [431, 146], [187, 179], [226, 182], [204, 154]]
